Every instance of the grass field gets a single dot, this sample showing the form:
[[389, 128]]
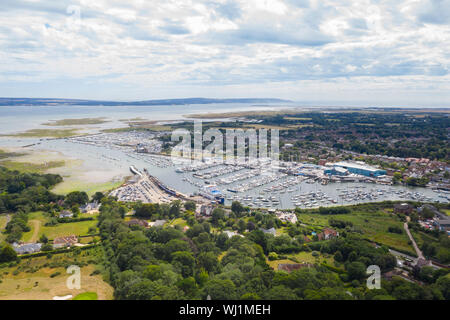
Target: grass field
[[37, 222], [3, 220], [31, 280], [86, 296], [74, 122], [297, 119], [301, 257], [140, 126], [180, 222], [45, 133], [374, 226], [5, 154], [90, 188], [29, 167]]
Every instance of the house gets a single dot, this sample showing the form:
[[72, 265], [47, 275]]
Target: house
[[65, 214], [404, 208], [205, 211], [231, 234], [137, 222], [158, 223], [271, 231], [328, 234], [27, 248], [66, 241], [287, 217], [289, 267], [89, 207]]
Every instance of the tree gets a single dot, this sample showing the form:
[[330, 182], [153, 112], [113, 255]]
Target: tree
[[338, 256], [190, 206], [219, 289], [175, 209], [258, 237], [152, 272], [397, 176], [43, 239], [250, 296], [237, 208], [356, 271], [188, 285], [2, 206], [185, 261], [76, 197], [281, 293], [208, 261], [273, 256], [443, 283], [241, 225], [146, 210], [47, 247], [7, 254], [98, 196], [217, 215]]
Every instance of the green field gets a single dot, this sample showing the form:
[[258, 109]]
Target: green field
[[3, 220], [74, 122], [301, 257], [5, 154], [373, 225], [37, 222], [32, 279], [86, 296], [29, 167], [45, 133], [178, 222], [69, 185]]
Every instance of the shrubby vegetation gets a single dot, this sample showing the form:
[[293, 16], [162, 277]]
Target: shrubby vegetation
[[167, 263]]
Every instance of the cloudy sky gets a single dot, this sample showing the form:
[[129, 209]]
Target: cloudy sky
[[381, 52]]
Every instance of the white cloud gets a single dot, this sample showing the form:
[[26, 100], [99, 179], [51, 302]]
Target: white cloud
[[229, 45]]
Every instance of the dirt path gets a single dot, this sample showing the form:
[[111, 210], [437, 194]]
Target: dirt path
[[37, 226], [416, 247]]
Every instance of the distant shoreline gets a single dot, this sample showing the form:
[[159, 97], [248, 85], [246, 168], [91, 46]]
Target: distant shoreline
[[160, 102]]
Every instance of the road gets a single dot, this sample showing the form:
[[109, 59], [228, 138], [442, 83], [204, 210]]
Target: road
[[416, 247]]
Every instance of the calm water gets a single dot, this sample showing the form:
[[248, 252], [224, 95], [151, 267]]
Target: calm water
[[118, 159], [15, 119]]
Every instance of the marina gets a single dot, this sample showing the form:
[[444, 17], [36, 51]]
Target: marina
[[253, 185]]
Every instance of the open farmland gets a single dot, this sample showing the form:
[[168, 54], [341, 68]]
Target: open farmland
[[43, 278], [37, 222]]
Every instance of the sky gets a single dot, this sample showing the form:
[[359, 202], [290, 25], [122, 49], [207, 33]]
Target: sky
[[368, 52]]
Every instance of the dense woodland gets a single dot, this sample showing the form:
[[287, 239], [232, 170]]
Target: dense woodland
[[193, 263], [166, 263]]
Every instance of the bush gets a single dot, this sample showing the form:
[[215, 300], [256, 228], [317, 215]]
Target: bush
[[55, 274], [273, 256], [395, 229]]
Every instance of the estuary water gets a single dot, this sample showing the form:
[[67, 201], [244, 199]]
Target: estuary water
[[116, 160]]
